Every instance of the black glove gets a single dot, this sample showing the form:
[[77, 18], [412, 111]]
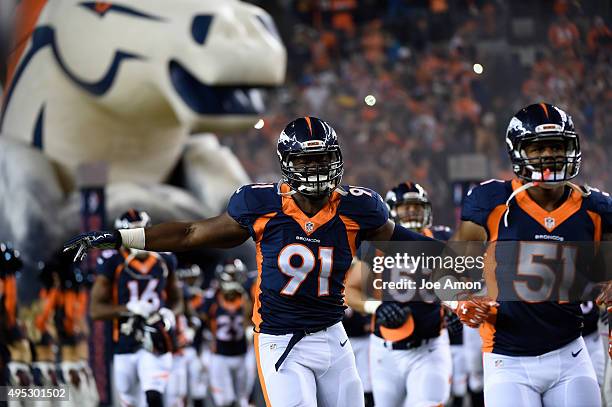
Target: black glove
[[392, 314], [96, 240]]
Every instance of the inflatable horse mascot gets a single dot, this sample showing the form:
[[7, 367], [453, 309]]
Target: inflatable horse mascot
[[140, 85]]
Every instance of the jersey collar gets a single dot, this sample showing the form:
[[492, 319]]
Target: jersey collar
[[310, 224], [548, 220]]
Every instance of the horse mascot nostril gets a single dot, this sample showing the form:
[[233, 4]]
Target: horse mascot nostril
[[141, 85]]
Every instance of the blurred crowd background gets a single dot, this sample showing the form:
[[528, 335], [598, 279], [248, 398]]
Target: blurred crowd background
[[446, 76]]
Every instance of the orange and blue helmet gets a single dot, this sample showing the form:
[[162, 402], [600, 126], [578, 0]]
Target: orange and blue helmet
[[133, 218], [543, 123], [310, 158], [231, 276]]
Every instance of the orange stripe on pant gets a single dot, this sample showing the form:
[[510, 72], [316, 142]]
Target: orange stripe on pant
[[262, 382]]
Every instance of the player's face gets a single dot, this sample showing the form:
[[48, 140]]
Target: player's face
[[313, 160], [411, 212], [551, 153], [231, 295], [314, 172]]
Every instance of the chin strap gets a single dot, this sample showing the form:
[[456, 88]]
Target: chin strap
[[292, 191], [528, 185], [512, 195], [341, 191], [281, 193]]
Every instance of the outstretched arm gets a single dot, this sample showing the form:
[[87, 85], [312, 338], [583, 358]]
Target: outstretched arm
[[219, 232]]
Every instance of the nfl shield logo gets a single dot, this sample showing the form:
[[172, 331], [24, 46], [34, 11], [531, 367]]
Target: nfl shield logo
[[499, 363], [309, 226], [549, 223]]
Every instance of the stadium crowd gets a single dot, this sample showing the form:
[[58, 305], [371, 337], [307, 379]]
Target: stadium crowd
[[417, 58]]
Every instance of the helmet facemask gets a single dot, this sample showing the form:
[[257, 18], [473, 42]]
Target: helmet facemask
[[231, 278], [408, 218], [313, 173], [548, 171]]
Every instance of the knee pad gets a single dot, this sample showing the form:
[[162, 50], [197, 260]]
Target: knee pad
[[154, 398]]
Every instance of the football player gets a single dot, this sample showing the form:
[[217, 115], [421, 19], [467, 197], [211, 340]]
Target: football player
[[65, 304], [190, 327], [44, 370], [357, 326], [409, 355], [226, 314], [306, 228], [533, 351], [15, 353], [409, 203], [133, 288]]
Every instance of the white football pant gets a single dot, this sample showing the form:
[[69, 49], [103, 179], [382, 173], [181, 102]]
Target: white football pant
[[319, 371], [460, 374], [418, 377], [228, 380], [562, 378], [197, 375], [139, 372], [176, 390], [596, 352], [472, 348], [361, 349]]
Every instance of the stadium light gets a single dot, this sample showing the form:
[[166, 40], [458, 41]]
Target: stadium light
[[259, 125], [478, 69], [370, 100]]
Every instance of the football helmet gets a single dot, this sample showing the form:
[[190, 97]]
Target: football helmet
[[310, 158], [543, 122], [410, 193], [132, 219], [188, 272], [231, 276]]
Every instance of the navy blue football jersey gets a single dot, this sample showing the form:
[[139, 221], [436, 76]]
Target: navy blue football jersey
[[303, 261], [525, 327], [426, 309], [226, 322], [134, 278]]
